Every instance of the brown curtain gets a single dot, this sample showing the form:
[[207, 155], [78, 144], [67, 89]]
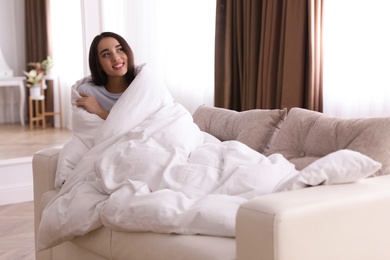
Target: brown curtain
[[38, 43], [268, 54], [314, 94]]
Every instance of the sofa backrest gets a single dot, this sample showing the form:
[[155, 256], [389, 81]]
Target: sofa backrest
[[306, 136], [302, 136]]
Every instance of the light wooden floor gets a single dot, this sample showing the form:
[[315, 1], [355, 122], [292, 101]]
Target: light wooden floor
[[17, 231], [17, 220], [19, 141]]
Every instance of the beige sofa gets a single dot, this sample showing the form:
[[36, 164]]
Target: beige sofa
[[344, 221]]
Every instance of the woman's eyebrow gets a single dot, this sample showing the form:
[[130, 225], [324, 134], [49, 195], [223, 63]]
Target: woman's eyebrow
[[104, 50], [116, 47]]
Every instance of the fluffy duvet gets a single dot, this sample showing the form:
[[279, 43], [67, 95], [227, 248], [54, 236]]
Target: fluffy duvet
[[148, 167]]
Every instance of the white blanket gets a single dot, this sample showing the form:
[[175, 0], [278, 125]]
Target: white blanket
[[148, 167]]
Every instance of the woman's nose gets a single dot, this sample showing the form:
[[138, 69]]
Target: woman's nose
[[116, 57]]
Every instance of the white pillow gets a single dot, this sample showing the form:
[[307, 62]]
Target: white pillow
[[342, 166]]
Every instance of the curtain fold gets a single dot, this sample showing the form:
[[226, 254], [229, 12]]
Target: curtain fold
[[315, 83], [38, 43], [268, 54], [222, 66]]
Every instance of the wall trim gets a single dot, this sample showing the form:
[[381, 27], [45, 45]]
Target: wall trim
[[16, 180]]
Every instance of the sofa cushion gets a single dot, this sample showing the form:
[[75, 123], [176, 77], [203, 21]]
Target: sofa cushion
[[306, 136], [149, 245], [255, 128]]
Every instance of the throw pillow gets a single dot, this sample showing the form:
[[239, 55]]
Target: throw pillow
[[256, 128], [343, 166]]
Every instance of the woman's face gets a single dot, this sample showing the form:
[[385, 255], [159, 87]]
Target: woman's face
[[112, 58]]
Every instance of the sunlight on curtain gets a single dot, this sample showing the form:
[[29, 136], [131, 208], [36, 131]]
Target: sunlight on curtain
[[356, 58], [174, 37], [67, 49]]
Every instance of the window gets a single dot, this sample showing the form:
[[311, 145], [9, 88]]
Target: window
[[175, 37], [356, 58]]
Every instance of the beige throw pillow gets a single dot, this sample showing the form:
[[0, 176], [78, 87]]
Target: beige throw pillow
[[255, 128]]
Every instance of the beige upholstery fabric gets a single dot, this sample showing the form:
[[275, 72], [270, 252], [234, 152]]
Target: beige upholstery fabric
[[255, 128], [330, 222], [307, 135]]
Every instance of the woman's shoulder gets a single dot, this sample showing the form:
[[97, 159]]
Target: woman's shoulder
[[88, 87]]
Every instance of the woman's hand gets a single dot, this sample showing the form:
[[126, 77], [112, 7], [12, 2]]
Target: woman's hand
[[91, 105]]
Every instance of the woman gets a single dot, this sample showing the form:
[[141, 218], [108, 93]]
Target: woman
[[111, 62]]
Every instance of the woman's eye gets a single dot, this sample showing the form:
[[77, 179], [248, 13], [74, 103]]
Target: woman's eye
[[105, 54]]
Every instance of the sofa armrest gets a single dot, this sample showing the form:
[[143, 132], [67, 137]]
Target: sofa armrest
[[44, 165], [44, 170], [349, 221]]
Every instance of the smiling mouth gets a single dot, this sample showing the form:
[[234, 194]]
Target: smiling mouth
[[118, 66]]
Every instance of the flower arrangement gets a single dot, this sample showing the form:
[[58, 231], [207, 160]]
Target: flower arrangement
[[35, 75]]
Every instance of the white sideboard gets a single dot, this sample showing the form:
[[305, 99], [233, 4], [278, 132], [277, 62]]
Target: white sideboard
[[16, 82]]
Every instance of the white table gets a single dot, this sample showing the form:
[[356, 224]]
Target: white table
[[16, 82]]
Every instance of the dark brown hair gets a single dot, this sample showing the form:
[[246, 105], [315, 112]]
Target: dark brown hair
[[99, 77]]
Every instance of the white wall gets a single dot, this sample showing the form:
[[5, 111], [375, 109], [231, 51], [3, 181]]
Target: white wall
[[12, 34], [12, 43]]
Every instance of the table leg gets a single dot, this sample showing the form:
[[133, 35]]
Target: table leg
[[22, 101]]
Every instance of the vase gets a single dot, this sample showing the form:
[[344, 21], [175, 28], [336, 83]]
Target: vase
[[49, 72], [35, 91]]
